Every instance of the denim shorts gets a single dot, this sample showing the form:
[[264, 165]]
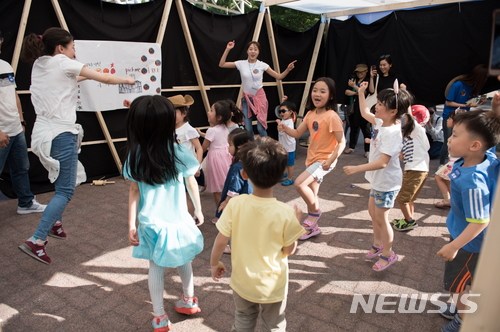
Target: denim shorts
[[384, 199], [291, 158], [317, 172]]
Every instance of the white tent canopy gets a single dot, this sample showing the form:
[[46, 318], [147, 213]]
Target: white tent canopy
[[336, 8]]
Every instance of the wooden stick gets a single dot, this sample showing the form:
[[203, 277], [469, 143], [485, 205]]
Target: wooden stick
[[20, 34], [310, 73], [164, 21], [274, 52], [192, 53]]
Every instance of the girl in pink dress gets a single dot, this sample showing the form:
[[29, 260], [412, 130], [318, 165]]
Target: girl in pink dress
[[218, 157]]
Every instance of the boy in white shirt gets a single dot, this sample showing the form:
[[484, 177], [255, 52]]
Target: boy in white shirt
[[287, 111]]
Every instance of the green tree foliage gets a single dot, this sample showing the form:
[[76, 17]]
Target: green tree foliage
[[293, 19], [289, 18]]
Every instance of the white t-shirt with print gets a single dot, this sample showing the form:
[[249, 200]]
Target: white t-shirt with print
[[54, 87], [10, 122], [286, 140], [386, 140], [251, 75], [415, 147], [185, 134]]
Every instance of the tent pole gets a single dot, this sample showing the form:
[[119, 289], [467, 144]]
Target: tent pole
[[192, 52], [60, 15], [312, 65], [20, 34], [100, 118], [274, 51], [164, 21]]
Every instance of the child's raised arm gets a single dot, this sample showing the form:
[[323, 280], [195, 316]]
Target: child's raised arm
[[363, 107], [495, 104]]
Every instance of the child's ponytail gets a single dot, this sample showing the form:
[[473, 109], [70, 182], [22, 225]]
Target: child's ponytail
[[408, 124], [237, 114]]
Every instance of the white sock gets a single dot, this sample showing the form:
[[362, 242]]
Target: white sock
[[186, 274], [155, 283]]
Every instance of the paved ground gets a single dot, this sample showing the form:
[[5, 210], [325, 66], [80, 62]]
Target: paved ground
[[93, 283]]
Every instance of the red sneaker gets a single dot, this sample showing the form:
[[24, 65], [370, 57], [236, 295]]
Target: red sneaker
[[58, 232], [35, 251], [187, 307]]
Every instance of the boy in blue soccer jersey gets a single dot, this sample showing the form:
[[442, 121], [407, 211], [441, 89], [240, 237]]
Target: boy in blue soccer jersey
[[473, 181]]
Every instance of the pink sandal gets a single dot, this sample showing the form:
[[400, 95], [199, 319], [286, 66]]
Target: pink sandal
[[311, 228], [378, 251], [390, 260]]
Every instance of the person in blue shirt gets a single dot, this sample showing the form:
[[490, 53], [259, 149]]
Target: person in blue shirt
[[458, 96], [473, 181]]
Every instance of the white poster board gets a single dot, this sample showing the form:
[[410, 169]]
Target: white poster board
[[142, 61]]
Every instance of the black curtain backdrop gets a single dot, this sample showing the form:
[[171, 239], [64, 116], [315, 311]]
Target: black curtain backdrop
[[429, 47]]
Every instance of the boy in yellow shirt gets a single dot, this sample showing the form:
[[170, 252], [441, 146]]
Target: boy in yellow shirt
[[264, 232]]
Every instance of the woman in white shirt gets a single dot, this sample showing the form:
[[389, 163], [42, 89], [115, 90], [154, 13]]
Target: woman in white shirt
[[254, 101], [56, 137]]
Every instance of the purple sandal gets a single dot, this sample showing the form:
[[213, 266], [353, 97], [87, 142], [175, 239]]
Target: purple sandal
[[390, 260], [378, 251], [311, 227]]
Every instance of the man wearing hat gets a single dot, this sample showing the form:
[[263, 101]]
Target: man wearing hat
[[13, 146]]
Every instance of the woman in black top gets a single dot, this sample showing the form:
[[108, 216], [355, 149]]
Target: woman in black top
[[387, 76]]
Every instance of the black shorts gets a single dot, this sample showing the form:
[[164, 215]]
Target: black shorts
[[458, 272]]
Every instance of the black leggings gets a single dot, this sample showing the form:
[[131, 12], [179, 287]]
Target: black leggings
[[357, 123]]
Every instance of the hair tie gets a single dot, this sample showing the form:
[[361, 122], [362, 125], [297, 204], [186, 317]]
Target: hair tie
[[40, 36]]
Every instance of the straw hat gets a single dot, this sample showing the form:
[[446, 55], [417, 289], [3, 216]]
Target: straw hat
[[361, 67], [181, 101]]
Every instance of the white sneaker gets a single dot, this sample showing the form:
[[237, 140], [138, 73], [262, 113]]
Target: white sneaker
[[35, 207]]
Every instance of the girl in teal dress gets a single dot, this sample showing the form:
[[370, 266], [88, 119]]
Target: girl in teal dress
[[160, 226]]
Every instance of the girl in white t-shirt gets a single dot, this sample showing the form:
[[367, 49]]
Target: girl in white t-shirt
[[56, 137], [416, 161], [187, 136], [383, 170], [252, 70]]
